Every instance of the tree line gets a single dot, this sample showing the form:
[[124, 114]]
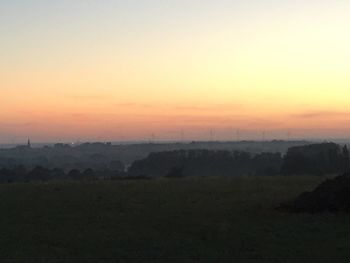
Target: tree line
[[206, 163], [41, 174], [316, 159]]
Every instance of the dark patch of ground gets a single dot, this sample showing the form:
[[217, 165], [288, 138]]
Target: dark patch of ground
[[332, 196]]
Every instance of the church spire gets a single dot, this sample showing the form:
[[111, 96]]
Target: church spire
[[29, 145]]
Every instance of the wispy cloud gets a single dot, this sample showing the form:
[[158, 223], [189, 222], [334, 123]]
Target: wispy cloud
[[321, 114], [212, 107], [133, 105], [18, 124], [195, 107], [88, 97]]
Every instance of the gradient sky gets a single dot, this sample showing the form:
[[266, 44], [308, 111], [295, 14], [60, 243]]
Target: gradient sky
[[123, 70]]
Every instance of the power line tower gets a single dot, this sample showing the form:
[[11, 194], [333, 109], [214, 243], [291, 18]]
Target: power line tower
[[152, 138], [211, 134], [288, 135], [238, 135], [182, 135]]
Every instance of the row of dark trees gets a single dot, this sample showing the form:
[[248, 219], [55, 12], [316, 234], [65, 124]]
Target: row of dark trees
[[97, 156], [316, 159], [65, 162], [207, 163], [42, 174]]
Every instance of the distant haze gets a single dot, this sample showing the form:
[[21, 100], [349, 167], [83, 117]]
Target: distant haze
[[174, 70]]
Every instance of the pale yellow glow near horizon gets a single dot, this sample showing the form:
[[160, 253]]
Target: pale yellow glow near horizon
[[276, 70]]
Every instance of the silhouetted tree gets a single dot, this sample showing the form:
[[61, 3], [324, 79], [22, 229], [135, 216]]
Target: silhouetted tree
[[39, 173], [58, 173], [88, 174], [74, 174], [318, 159], [346, 158], [175, 172]]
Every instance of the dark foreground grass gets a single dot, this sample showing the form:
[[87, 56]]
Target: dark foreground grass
[[165, 220]]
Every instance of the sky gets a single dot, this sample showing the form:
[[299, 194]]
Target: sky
[[103, 70]]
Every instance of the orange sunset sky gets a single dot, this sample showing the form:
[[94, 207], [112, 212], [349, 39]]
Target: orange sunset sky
[[124, 70]]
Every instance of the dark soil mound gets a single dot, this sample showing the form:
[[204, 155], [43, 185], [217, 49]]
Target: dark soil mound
[[332, 196]]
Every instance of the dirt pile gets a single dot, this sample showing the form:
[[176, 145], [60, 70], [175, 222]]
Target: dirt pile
[[333, 196]]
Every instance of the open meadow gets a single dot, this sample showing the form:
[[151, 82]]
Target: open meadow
[[167, 220]]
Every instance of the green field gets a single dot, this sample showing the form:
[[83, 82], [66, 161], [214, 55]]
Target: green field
[[167, 220]]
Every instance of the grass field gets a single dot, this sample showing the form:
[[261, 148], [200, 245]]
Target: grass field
[[167, 220]]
